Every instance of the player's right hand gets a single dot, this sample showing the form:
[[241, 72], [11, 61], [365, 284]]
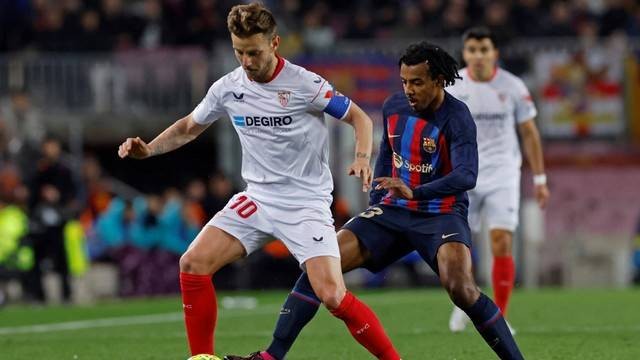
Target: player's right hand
[[134, 148], [361, 169]]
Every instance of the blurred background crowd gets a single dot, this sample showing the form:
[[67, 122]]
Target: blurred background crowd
[[115, 25], [76, 77]]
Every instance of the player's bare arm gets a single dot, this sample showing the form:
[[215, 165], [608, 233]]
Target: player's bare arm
[[363, 127], [395, 186], [176, 135], [532, 147]]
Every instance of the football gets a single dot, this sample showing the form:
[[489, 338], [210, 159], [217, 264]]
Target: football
[[204, 357]]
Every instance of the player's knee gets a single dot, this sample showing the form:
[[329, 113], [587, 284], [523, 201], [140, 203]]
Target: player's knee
[[331, 296], [191, 264], [501, 243], [462, 293]]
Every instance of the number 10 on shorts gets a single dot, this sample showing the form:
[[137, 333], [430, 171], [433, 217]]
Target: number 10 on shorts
[[243, 206]]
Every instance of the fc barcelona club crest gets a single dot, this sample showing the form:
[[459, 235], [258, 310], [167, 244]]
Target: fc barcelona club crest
[[284, 96], [429, 145]]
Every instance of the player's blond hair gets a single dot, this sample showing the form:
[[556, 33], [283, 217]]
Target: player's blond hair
[[247, 20]]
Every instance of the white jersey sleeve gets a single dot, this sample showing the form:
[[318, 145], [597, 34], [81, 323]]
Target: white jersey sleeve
[[210, 108], [321, 96], [525, 109]]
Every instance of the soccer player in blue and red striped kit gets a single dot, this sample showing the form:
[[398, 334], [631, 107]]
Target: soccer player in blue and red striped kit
[[428, 159]]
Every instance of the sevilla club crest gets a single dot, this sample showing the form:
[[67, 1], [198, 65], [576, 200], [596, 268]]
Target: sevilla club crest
[[284, 96], [429, 145]]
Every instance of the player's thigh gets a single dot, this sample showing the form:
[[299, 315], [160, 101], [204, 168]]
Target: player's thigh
[[429, 233], [502, 206], [212, 249], [353, 253], [238, 229], [380, 242]]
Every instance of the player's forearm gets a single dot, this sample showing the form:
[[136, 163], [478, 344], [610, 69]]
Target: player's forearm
[[459, 180], [363, 128], [173, 137], [532, 146]]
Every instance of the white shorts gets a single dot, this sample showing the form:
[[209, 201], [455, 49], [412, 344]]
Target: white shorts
[[306, 232], [499, 204]]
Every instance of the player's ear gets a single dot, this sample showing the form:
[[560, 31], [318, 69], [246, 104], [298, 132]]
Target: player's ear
[[440, 81], [275, 42]]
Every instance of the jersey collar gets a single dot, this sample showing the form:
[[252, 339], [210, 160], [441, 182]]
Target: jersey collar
[[278, 69], [493, 75]]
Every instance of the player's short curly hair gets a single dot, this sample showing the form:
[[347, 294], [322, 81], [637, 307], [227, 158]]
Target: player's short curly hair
[[440, 63], [247, 20]]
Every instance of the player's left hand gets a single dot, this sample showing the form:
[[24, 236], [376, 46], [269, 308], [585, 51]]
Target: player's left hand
[[361, 169], [542, 195], [395, 186]]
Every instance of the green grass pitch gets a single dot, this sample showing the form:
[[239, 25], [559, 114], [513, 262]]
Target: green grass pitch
[[551, 324]]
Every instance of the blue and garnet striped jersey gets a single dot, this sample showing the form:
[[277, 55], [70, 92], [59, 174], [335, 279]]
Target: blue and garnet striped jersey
[[435, 154]]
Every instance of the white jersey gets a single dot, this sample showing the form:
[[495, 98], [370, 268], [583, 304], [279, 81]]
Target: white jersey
[[497, 106], [282, 131]]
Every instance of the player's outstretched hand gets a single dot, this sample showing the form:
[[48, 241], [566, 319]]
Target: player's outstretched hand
[[395, 186], [134, 148], [362, 169], [542, 195]]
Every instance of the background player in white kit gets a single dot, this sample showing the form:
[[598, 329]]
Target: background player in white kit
[[277, 109], [499, 103]]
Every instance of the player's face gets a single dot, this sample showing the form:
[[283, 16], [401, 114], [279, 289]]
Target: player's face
[[418, 86], [481, 57], [256, 55]]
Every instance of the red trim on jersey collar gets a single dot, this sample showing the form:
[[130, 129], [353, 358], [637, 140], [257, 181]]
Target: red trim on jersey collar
[[278, 69], [493, 75]]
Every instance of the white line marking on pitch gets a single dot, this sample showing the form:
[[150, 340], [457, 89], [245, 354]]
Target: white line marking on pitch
[[121, 321]]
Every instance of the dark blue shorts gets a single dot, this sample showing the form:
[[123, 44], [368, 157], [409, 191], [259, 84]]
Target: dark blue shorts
[[391, 232]]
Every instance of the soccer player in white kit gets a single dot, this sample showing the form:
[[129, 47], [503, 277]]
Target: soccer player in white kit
[[499, 103], [277, 109]]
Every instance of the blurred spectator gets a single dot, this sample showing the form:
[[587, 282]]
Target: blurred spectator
[[14, 257], [51, 33], [91, 36], [616, 16], [317, 35], [496, 18], [21, 131], [155, 32], [412, 25], [291, 13], [361, 25], [387, 15], [122, 29], [633, 26], [51, 206], [454, 20], [528, 17], [206, 23], [559, 23], [15, 24]]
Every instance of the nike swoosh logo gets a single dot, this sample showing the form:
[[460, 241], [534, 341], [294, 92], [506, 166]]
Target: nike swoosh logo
[[393, 136], [448, 235]]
